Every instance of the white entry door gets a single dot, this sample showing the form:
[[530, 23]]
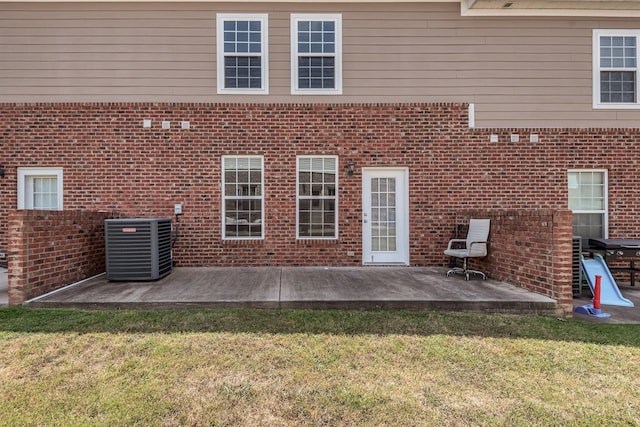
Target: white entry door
[[385, 216]]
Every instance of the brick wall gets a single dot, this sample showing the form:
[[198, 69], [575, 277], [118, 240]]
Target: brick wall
[[111, 162], [531, 249], [51, 249]]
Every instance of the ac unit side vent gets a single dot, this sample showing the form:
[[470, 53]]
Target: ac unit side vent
[[576, 284], [138, 248]]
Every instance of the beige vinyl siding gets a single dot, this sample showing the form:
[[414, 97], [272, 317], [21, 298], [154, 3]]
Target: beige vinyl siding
[[519, 72]]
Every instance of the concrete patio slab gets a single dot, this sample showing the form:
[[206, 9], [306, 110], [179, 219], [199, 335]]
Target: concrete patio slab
[[619, 314], [303, 287], [319, 287], [406, 288], [198, 287]]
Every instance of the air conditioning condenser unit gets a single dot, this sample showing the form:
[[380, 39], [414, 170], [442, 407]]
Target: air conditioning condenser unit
[[138, 248]]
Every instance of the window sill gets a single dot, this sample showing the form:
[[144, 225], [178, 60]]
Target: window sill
[[614, 106]]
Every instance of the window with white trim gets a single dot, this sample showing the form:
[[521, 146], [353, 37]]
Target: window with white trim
[[242, 53], [588, 202], [615, 69], [243, 199], [40, 188], [317, 197], [316, 54]]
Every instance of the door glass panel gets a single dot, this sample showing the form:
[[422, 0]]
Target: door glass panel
[[383, 214]]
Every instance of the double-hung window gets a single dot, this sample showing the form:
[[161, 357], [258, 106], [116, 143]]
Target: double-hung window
[[40, 188], [243, 197], [242, 54], [316, 54], [615, 69], [317, 197], [588, 202]]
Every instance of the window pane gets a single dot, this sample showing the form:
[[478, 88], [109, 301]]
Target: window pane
[[316, 73], [618, 86], [44, 192], [238, 70], [588, 226], [317, 197], [243, 202], [317, 38], [587, 200], [618, 52], [242, 26], [242, 55]]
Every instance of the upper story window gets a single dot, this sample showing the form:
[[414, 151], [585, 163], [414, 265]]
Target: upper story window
[[242, 207], [615, 69], [316, 54], [40, 188], [588, 202], [242, 54]]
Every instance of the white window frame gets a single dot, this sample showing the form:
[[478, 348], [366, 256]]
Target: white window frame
[[597, 104], [605, 211], [337, 19], [221, 18], [25, 180], [324, 197], [226, 197]]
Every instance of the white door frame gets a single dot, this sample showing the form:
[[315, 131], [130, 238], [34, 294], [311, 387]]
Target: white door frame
[[400, 256]]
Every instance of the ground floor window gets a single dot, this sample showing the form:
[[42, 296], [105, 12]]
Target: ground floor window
[[588, 202], [317, 197], [242, 207], [40, 188]]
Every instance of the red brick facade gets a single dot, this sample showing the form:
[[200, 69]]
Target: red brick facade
[[50, 249], [532, 249], [111, 162]]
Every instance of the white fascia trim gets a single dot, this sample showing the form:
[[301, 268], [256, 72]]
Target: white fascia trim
[[465, 10], [228, 1]]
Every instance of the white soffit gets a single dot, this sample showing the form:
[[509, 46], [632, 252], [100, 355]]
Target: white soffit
[[597, 8]]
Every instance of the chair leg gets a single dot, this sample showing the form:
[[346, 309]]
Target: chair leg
[[466, 271], [479, 273], [460, 270]]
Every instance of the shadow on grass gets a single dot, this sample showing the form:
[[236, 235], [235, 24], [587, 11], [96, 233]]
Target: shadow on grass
[[338, 322]]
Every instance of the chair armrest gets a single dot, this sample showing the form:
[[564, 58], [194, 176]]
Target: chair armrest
[[455, 241], [477, 243]]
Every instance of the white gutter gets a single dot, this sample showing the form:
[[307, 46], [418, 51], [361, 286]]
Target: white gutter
[[468, 8]]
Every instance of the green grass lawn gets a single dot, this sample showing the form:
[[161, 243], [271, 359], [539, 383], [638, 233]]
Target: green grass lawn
[[300, 367]]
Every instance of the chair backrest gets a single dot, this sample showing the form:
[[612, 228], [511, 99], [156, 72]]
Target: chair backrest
[[478, 232]]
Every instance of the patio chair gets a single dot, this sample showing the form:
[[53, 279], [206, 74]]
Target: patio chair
[[475, 246]]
